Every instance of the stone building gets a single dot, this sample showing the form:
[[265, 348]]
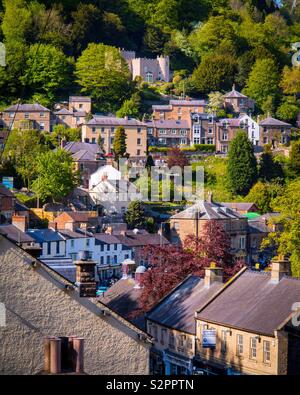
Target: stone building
[[74, 116], [39, 302], [274, 132], [105, 128], [254, 321], [150, 70], [192, 221], [238, 103], [26, 116], [178, 110], [169, 133]]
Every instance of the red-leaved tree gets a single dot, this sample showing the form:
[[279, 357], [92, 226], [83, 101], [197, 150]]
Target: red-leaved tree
[[176, 157], [171, 264]]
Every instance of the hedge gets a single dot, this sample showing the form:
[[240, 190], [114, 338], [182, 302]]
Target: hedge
[[194, 148]]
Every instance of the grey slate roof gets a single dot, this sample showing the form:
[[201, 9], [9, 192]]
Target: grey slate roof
[[27, 108], [206, 210], [75, 146], [83, 99], [252, 302], [141, 239], [114, 121], [188, 102], [44, 235], [273, 122], [239, 206], [16, 235], [5, 191], [234, 94], [171, 124], [177, 309]]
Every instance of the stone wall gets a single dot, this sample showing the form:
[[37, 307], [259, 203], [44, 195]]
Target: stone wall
[[37, 305]]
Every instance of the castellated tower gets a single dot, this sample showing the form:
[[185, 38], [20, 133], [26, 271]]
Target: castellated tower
[[164, 64]]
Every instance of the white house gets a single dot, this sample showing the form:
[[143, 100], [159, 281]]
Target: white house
[[252, 127], [52, 243]]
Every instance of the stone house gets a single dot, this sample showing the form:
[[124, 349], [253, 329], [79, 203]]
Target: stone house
[[105, 128], [169, 133], [203, 128], [252, 319], [150, 70], [39, 303], [27, 116], [74, 116], [171, 323], [7, 204], [178, 110], [192, 220], [238, 103], [225, 133], [274, 132]]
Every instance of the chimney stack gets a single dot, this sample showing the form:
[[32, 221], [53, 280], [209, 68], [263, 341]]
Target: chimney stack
[[213, 274], [280, 267], [86, 275], [128, 268], [20, 222]]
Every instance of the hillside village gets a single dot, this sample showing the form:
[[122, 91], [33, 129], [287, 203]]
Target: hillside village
[[105, 268]]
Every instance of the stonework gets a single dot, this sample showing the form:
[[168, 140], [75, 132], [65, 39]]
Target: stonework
[[38, 305]]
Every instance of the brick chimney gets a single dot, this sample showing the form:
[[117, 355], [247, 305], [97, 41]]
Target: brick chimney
[[280, 267], [20, 222], [86, 275], [213, 274]]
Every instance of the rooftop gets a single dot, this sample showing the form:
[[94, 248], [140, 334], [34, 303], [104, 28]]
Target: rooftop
[[234, 94], [207, 210], [27, 108], [177, 309], [75, 146], [44, 235], [253, 311], [170, 124], [114, 121], [15, 234], [85, 99], [269, 121], [142, 238]]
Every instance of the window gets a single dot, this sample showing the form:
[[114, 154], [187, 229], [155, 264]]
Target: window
[[154, 332], [242, 243], [163, 336], [210, 130], [149, 77], [102, 260], [197, 129], [265, 140], [138, 152], [42, 126], [267, 353], [139, 142], [171, 341], [174, 131], [253, 347], [196, 140], [224, 149], [115, 247], [49, 248], [162, 141], [239, 344], [183, 132], [139, 130], [189, 343], [108, 259], [72, 243], [150, 130], [210, 140], [162, 131], [26, 115], [176, 225], [77, 119], [115, 258], [93, 129], [181, 341], [102, 247], [42, 114], [179, 110], [87, 242], [182, 141], [108, 247], [80, 105], [223, 341], [11, 115], [57, 247], [225, 136], [265, 129], [63, 117], [93, 140]]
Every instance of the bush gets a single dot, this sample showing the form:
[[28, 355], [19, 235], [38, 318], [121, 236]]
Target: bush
[[158, 149], [205, 147]]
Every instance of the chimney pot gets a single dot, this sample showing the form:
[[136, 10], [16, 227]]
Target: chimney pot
[[55, 355], [78, 347]]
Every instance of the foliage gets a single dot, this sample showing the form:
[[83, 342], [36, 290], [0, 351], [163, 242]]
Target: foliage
[[176, 157], [288, 110], [170, 264], [269, 169], [56, 178], [61, 132], [242, 166], [103, 74], [215, 102], [131, 107], [262, 194], [119, 144], [135, 215], [290, 82], [294, 164]]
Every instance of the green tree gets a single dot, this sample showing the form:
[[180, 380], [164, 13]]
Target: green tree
[[130, 107], [269, 169], [216, 72], [242, 165], [61, 132], [215, 102], [119, 144], [288, 241], [288, 110], [295, 158], [262, 194], [47, 70], [135, 215], [149, 162], [290, 82], [263, 81], [56, 178], [103, 74], [21, 150]]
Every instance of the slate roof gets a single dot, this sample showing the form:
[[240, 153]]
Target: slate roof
[[123, 298], [27, 108], [84, 155], [239, 206], [233, 122], [21, 207], [16, 235], [206, 210], [5, 191], [84, 99], [252, 302], [161, 107], [105, 238], [69, 234], [177, 309], [141, 239], [171, 124], [44, 235], [76, 216], [273, 122], [63, 111], [188, 102], [114, 121], [235, 94], [75, 146]]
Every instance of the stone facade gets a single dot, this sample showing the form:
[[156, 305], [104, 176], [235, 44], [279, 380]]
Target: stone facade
[[38, 305], [274, 132], [178, 110], [26, 116], [150, 70]]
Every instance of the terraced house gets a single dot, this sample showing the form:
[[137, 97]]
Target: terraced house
[[105, 127]]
